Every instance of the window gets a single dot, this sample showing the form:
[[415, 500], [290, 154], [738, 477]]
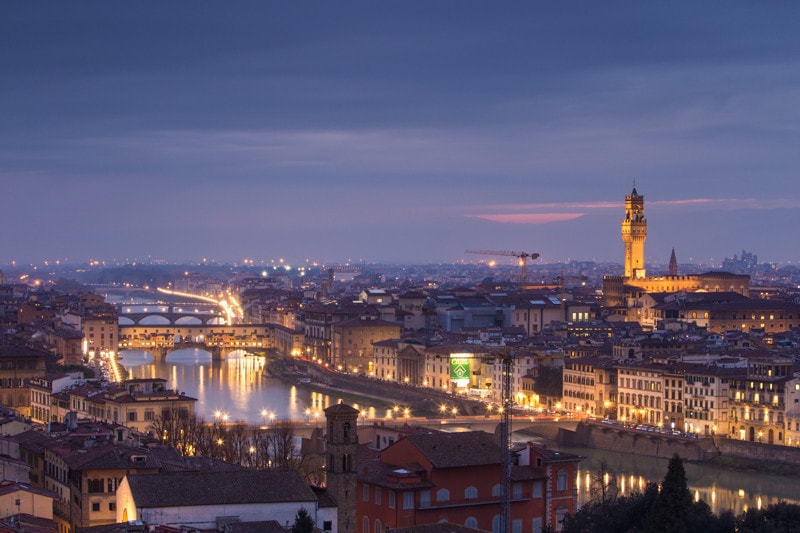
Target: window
[[561, 514], [471, 522], [425, 498], [516, 492], [497, 490], [112, 506], [131, 416], [377, 526], [496, 524], [562, 480], [408, 500], [391, 499], [516, 526], [365, 524], [377, 495], [327, 525], [149, 415], [537, 489], [442, 495], [537, 525], [470, 493], [95, 506], [365, 493]]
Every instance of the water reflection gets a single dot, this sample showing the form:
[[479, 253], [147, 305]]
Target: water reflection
[[722, 489], [236, 387]]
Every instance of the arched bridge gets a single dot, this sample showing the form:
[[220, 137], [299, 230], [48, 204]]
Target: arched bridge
[[219, 340], [173, 318]]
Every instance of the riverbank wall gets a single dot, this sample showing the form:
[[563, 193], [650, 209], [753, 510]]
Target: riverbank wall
[[634, 442], [652, 444], [757, 451], [421, 400]]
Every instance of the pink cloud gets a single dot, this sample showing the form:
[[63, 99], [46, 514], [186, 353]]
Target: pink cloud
[[528, 218]]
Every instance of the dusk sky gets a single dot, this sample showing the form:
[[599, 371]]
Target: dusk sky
[[397, 131]]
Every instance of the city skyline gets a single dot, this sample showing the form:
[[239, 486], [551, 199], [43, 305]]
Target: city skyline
[[401, 133]]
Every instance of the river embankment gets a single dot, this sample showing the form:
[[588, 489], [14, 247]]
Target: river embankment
[[422, 401], [722, 451]]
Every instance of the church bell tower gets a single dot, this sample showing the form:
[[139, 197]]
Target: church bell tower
[[342, 447], [634, 233]]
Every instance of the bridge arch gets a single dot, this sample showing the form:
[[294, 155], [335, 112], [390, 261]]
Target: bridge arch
[[158, 318], [188, 321], [154, 320]]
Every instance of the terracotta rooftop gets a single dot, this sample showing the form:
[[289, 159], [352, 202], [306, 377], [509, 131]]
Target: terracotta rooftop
[[178, 489], [451, 450]]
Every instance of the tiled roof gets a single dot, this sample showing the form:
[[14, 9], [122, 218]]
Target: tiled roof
[[178, 489], [374, 472], [366, 323], [341, 409], [451, 450], [437, 528], [270, 526]]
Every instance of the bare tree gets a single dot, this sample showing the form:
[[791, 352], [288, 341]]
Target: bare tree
[[283, 450], [603, 488]]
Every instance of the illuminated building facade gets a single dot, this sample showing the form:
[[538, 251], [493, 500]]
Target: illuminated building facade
[[625, 290], [758, 400]]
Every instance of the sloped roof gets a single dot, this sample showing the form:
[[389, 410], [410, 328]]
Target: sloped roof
[[451, 450], [177, 489], [441, 527], [341, 409]]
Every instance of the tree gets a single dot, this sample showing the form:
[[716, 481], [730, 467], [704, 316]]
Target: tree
[[672, 508], [282, 446], [303, 522], [603, 487], [777, 517]]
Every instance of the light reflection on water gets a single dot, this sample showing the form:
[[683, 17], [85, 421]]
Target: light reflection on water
[[235, 387], [721, 488]]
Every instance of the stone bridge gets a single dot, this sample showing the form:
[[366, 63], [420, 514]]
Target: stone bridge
[[174, 317], [218, 340]]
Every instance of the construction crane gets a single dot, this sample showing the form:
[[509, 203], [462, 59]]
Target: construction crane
[[521, 256], [506, 358]]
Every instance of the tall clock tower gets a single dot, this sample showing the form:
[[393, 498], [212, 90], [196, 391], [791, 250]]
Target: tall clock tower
[[634, 233], [342, 447]]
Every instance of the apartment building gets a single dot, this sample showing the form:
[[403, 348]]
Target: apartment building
[[758, 400], [640, 392]]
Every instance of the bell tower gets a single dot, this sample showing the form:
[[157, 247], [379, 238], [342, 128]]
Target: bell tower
[[634, 233], [342, 447]]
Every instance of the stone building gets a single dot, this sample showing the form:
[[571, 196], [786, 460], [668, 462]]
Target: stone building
[[623, 291]]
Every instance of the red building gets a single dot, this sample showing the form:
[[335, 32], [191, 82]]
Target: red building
[[431, 477]]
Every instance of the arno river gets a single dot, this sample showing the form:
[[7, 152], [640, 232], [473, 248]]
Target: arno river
[[235, 388]]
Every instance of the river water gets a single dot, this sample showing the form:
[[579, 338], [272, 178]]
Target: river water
[[721, 488], [236, 389]]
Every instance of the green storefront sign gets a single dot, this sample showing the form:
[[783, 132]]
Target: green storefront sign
[[459, 368]]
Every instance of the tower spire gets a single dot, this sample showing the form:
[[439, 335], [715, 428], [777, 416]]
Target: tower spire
[[673, 264]]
